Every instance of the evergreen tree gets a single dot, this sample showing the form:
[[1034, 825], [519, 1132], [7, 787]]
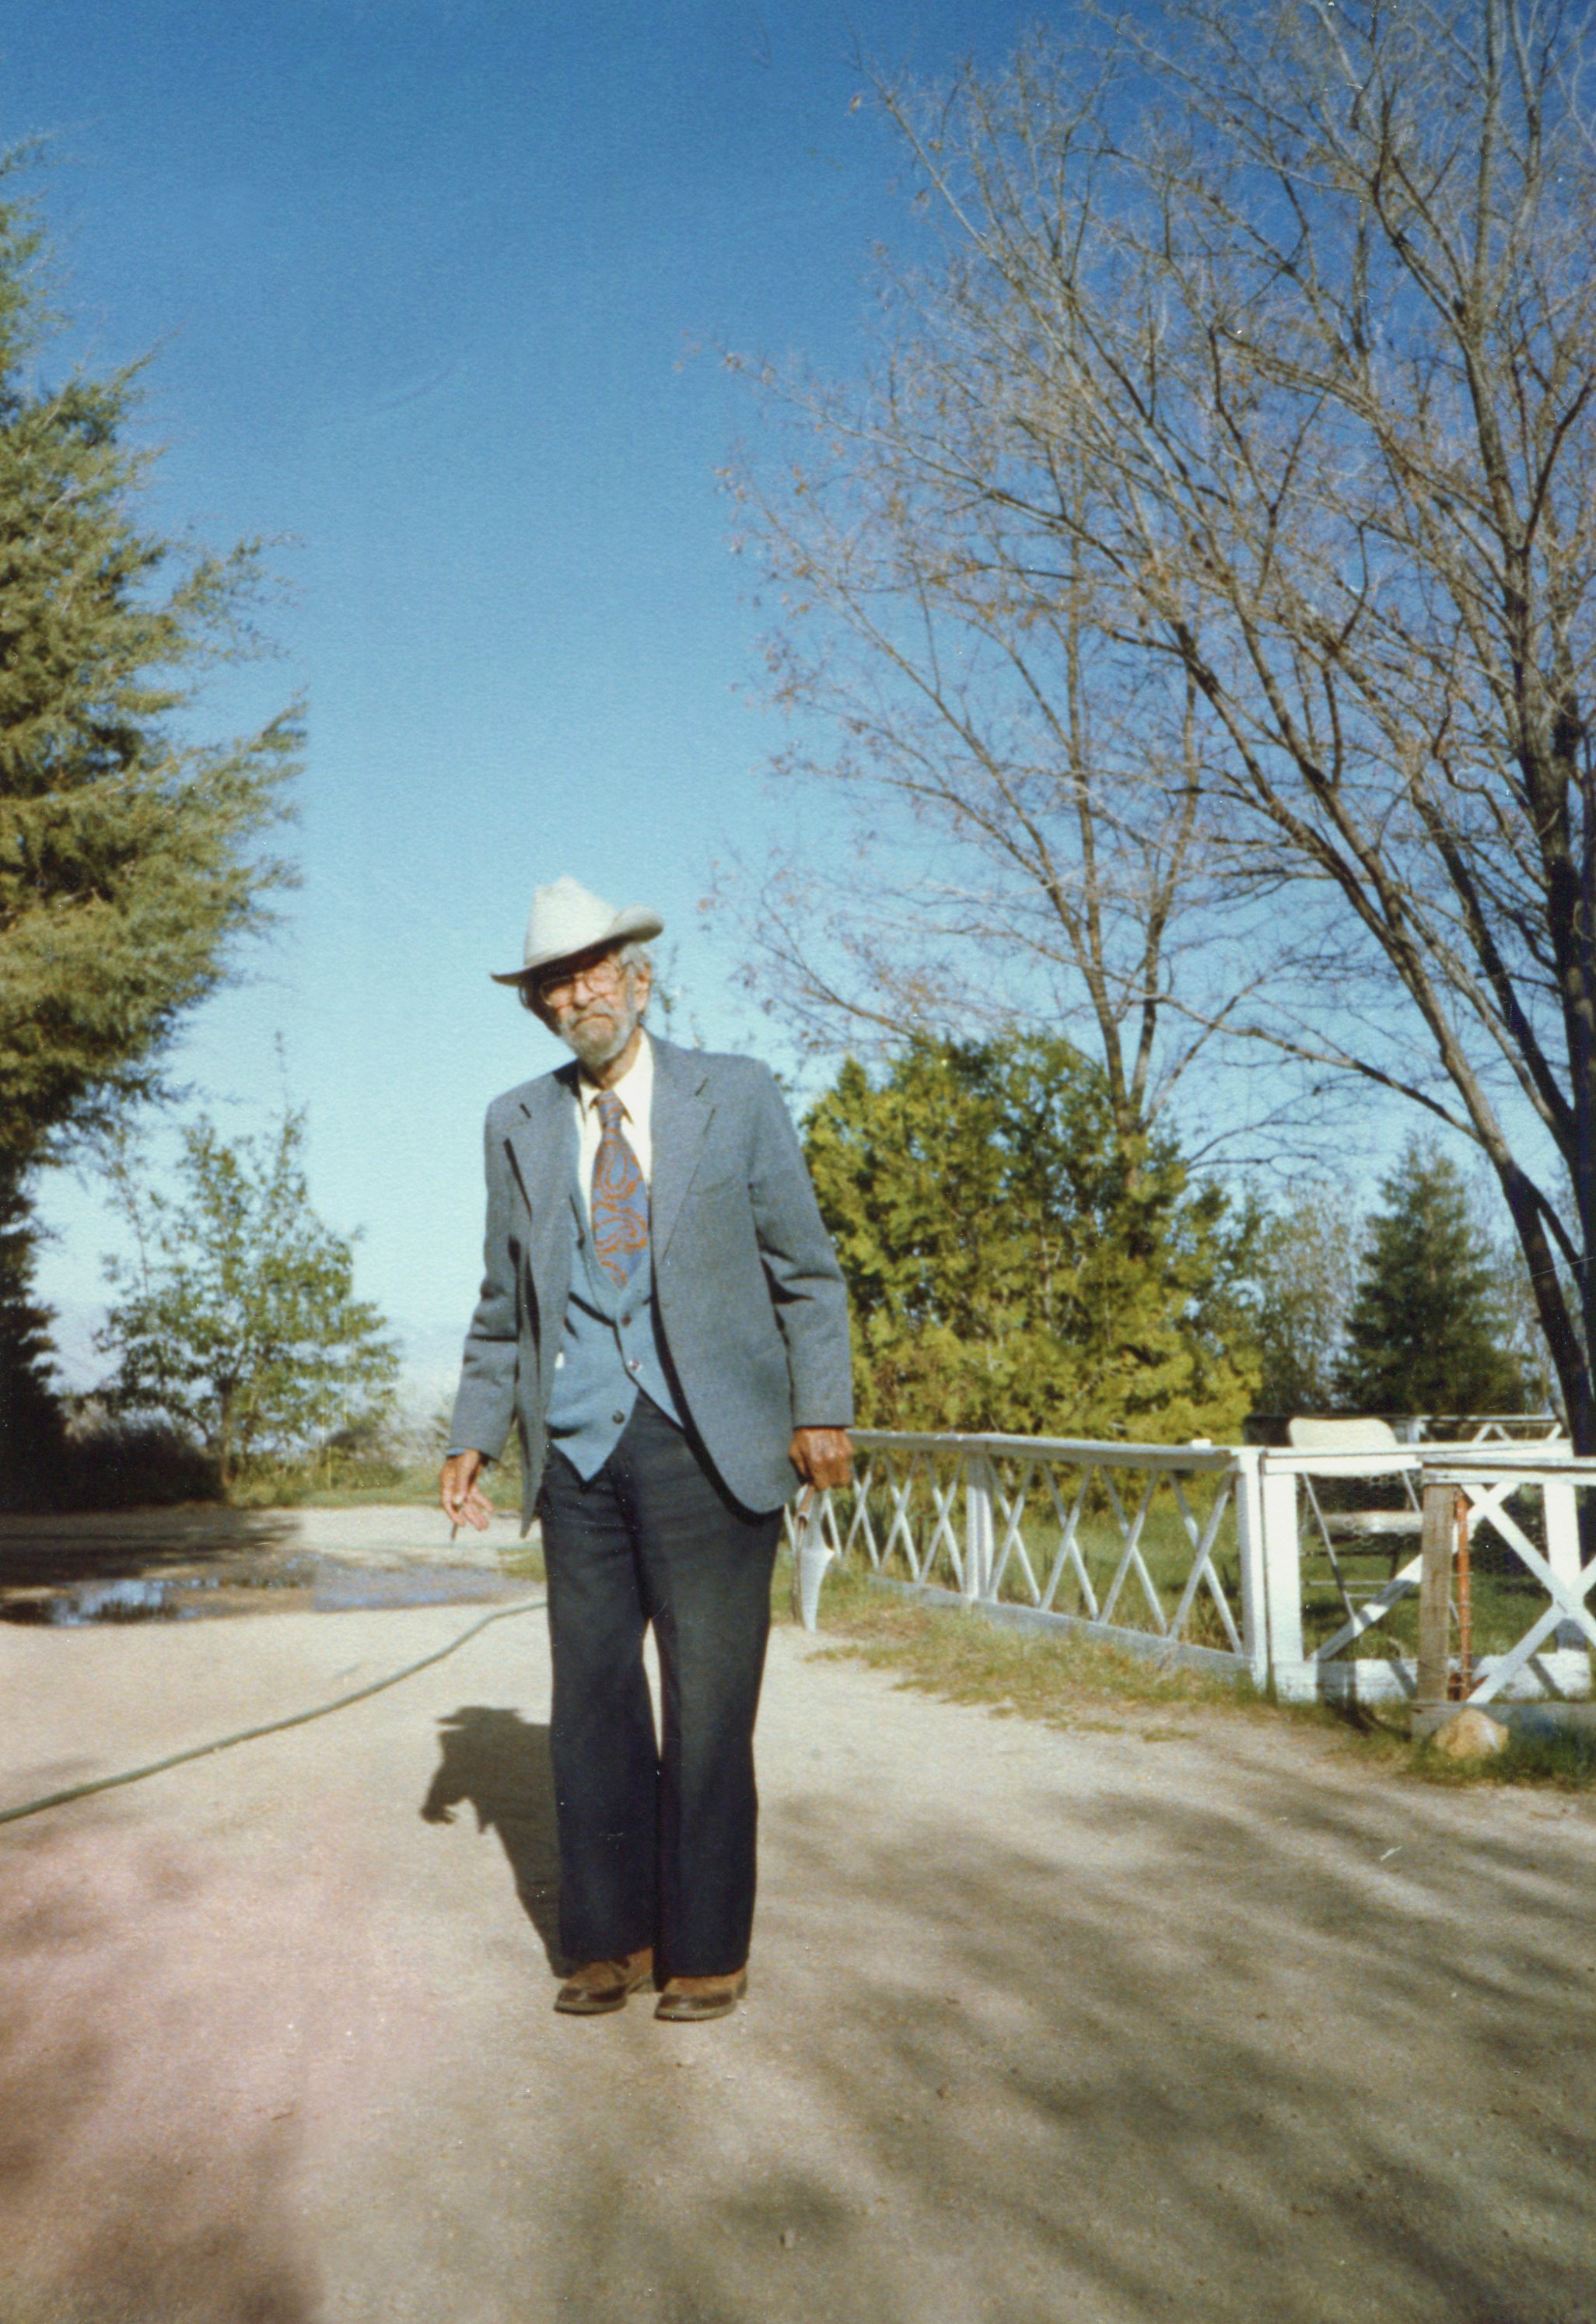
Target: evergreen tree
[[130, 857], [1429, 1328], [238, 1319], [31, 1431], [1013, 1264]]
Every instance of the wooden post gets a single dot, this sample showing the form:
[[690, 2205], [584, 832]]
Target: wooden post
[[1465, 1603], [1434, 1593]]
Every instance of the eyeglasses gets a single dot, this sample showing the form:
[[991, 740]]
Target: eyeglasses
[[601, 975]]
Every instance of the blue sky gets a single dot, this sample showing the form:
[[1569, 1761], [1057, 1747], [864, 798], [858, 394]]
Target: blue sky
[[434, 288]]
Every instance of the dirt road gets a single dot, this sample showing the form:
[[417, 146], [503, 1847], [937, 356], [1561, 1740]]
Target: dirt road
[[1105, 2025]]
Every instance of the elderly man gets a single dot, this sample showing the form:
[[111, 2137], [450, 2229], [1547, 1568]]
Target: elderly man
[[663, 1319]]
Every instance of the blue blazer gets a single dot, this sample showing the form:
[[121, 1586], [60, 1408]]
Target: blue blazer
[[747, 1287]]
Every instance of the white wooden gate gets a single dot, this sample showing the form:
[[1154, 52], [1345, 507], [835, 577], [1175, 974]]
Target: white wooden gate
[[1551, 1657], [1354, 1664]]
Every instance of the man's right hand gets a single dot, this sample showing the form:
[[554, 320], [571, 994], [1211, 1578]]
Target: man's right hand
[[464, 1500]]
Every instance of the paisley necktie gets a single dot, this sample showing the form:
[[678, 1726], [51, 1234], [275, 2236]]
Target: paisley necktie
[[620, 1200]]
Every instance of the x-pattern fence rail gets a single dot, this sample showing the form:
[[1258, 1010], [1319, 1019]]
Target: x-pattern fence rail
[[1454, 1487], [1124, 1540], [1205, 1554], [1361, 1658]]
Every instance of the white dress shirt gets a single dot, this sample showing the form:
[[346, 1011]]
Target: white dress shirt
[[635, 1090]]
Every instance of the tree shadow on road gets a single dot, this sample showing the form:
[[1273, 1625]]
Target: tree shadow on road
[[150, 2122], [501, 1764], [1302, 2050], [67, 1549]]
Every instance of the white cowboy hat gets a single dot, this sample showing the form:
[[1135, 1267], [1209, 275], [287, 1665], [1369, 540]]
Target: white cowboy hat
[[567, 919]]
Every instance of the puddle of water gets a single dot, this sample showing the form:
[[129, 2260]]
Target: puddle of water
[[317, 1585], [110, 1601], [340, 1589]]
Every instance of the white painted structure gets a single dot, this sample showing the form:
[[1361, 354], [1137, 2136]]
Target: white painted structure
[[998, 1523], [1555, 1647]]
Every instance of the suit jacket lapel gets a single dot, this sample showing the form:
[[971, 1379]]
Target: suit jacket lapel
[[543, 1147], [682, 1112]]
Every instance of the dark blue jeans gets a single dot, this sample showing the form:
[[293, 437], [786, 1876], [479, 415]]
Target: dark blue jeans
[[656, 1842]]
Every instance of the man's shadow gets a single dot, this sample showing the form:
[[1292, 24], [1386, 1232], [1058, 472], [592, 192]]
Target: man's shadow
[[502, 1765]]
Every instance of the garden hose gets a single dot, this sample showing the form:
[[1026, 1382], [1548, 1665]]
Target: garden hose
[[273, 1727]]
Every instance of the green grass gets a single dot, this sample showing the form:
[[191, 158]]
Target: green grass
[[1505, 1597], [280, 1487], [1164, 1544], [1563, 1763], [1060, 1679], [307, 1485], [1067, 1682]]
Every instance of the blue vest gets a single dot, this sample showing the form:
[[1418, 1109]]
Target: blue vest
[[611, 1347]]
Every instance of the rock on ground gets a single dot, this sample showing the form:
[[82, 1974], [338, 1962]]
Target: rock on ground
[[1470, 1736]]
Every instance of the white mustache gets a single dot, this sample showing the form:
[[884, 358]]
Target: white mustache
[[598, 1029]]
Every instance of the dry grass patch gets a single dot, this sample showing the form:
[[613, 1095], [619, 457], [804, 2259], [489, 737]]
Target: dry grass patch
[[1062, 1679], [1069, 1682]]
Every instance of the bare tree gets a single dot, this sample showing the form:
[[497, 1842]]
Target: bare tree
[[1024, 841], [1308, 298]]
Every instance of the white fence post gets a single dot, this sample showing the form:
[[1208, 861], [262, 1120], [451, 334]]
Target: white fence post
[[1282, 1571], [1562, 1547], [978, 1535], [1254, 1642]]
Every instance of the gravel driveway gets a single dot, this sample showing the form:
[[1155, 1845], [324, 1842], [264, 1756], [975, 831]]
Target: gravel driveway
[[1192, 2017]]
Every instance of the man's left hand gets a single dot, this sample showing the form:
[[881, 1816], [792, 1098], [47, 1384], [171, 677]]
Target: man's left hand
[[822, 1457]]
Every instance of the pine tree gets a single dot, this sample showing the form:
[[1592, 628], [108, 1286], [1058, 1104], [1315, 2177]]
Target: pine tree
[[1428, 1330], [130, 857], [31, 1431], [1012, 1263]]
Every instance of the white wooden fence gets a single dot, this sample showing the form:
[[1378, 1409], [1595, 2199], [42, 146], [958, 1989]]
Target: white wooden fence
[[1199, 1554], [1348, 1665], [1552, 1654]]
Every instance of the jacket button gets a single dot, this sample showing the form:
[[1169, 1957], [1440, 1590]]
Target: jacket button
[[618, 1417]]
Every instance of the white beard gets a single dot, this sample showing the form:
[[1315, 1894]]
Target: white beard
[[604, 1036]]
